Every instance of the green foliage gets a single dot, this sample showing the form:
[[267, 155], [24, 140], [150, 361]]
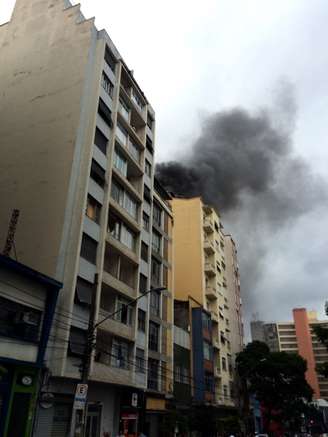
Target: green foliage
[[277, 379]]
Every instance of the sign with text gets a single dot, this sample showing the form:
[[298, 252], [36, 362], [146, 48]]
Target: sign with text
[[80, 396]]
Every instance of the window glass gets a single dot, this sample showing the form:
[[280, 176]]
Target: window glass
[[97, 173], [93, 209], [157, 215], [142, 283], [122, 134], [120, 354], [145, 221], [144, 252], [141, 320], [148, 168], [89, 249], [140, 361], [100, 140], [207, 350], [107, 84], [153, 336], [155, 300], [156, 242], [120, 163]]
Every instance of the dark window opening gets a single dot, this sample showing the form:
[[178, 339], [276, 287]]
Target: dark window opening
[[97, 173], [142, 283], [141, 320], [149, 145], [89, 249], [104, 112], [144, 252], [101, 141], [77, 342], [153, 336], [110, 59], [84, 291]]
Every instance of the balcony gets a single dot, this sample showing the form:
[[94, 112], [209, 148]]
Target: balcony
[[214, 317], [208, 225], [216, 343], [104, 372], [128, 253], [209, 269], [211, 293], [115, 327], [110, 281], [217, 372], [209, 247]]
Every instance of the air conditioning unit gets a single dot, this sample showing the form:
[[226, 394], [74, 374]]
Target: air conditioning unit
[[27, 317]]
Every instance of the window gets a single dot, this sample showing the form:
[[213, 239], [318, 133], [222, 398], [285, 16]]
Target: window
[[104, 112], [224, 364], [122, 134], [153, 367], [121, 232], [165, 276], [148, 168], [107, 84], [124, 199], [166, 249], [144, 252], [207, 350], [141, 320], [140, 361], [149, 145], [166, 222], [19, 321], [216, 226], [93, 209], [209, 386], [156, 242], [147, 194], [136, 99], [142, 283], [125, 312], [155, 271], [206, 321], [145, 221], [223, 265], [225, 391], [150, 121], [97, 173], [177, 373], [100, 140], [157, 215], [84, 291], [110, 59], [124, 110], [120, 163], [155, 301], [134, 150], [89, 249], [153, 336], [77, 342], [120, 354]]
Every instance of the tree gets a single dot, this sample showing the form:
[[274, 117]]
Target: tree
[[277, 380]]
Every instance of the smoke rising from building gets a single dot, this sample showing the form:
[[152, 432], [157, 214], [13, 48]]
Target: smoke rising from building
[[244, 164]]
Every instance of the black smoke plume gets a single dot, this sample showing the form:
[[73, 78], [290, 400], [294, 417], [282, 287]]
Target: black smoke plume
[[244, 164]]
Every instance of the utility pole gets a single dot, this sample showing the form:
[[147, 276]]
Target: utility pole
[[79, 420]]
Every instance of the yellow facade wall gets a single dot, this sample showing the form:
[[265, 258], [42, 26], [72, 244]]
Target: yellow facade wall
[[187, 246]]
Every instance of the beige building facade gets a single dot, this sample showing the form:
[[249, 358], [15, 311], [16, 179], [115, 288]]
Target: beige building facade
[[77, 160], [206, 270]]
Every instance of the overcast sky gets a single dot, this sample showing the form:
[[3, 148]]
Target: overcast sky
[[194, 58]]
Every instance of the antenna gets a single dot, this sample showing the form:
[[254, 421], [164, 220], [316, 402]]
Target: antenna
[[10, 241]]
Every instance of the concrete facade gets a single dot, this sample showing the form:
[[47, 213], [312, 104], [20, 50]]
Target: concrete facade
[[206, 271], [297, 336], [77, 146]]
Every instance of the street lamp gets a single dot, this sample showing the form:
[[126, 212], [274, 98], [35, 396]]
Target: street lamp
[[90, 345]]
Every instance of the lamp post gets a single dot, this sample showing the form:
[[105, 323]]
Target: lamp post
[[90, 345]]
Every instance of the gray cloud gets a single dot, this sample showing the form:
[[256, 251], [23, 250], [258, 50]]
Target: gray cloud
[[244, 164]]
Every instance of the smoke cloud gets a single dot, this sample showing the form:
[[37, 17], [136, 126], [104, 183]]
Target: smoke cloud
[[243, 163]]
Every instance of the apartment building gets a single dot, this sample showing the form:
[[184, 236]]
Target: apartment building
[[297, 336], [201, 273], [77, 160]]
